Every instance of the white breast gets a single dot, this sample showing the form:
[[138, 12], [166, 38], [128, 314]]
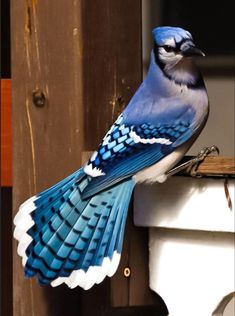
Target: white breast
[[157, 172]]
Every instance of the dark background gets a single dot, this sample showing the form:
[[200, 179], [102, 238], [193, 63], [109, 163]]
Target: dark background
[[210, 22], [5, 39]]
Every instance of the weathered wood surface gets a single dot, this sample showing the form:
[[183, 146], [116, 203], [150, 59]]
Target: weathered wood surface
[[6, 133], [112, 62], [83, 60], [46, 55], [220, 166]]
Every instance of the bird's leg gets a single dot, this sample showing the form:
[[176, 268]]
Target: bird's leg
[[192, 164]]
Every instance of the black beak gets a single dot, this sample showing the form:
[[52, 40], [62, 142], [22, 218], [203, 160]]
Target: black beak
[[189, 51]]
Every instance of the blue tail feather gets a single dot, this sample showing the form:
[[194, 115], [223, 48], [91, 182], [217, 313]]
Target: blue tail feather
[[52, 210], [53, 234], [71, 233]]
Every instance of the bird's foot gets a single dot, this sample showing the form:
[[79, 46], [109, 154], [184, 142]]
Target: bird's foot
[[206, 151], [192, 165]]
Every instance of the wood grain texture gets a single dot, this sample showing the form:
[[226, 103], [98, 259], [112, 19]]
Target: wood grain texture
[[223, 166], [46, 55], [6, 134], [112, 62], [86, 59]]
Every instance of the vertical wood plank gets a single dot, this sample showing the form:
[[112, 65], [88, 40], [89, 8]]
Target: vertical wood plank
[[6, 134], [112, 62], [112, 73], [139, 290], [86, 59], [140, 293], [46, 56]]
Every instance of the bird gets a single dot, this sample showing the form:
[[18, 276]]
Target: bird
[[73, 232]]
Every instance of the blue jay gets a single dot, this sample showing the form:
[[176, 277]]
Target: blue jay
[[72, 233]]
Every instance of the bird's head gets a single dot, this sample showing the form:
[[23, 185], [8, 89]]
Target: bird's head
[[173, 47], [173, 44]]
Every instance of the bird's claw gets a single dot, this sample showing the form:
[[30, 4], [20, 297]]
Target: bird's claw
[[195, 162], [206, 151]]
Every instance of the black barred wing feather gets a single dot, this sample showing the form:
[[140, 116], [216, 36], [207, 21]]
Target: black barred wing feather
[[127, 149]]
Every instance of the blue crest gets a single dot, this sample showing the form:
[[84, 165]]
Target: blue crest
[[163, 33]]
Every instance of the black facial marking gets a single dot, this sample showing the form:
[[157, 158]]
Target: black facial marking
[[198, 84], [168, 48]]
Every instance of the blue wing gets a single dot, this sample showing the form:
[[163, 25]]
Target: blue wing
[[127, 149]]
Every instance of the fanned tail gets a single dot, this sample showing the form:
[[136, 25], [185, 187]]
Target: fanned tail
[[66, 239]]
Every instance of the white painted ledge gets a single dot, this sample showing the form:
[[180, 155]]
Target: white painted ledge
[[191, 243], [185, 203]]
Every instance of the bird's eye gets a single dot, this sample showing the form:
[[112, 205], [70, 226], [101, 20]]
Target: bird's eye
[[168, 48]]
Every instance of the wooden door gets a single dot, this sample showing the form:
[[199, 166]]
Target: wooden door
[[75, 66]]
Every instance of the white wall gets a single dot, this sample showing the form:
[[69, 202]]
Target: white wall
[[220, 126]]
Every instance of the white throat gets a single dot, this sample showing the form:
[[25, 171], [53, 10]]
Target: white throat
[[184, 72]]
